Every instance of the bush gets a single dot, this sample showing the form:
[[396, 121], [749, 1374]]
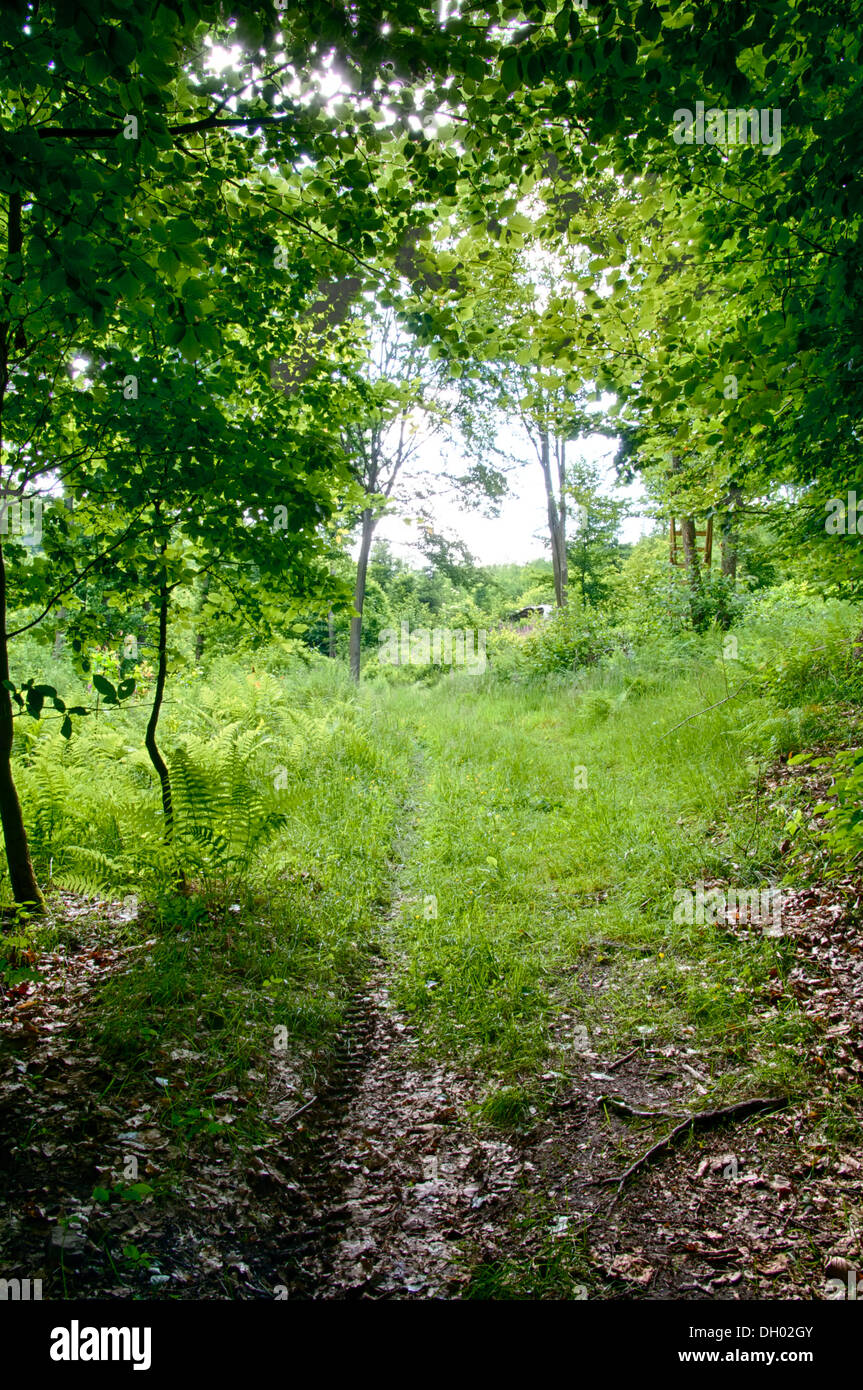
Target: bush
[[575, 637]]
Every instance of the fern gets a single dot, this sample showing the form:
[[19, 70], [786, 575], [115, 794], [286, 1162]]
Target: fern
[[93, 807]]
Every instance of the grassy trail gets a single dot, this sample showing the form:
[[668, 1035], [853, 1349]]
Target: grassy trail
[[551, 827], [538, 963], [448, 995]]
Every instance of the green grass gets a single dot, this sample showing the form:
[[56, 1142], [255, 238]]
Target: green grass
[[511, 844], [528, 864], [557, 1267], [563, 814]]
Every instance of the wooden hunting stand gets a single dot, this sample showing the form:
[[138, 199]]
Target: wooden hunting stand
[[677, 555]]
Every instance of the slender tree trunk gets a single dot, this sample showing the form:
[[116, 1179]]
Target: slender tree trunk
[[729, 542], [560, 447], [59, 634], [690, 551], [730, 536], [150, 738], [729, 555], [693, 568], [690, 555], [331, 629], [556, 524], [22, 878], [360, 591]]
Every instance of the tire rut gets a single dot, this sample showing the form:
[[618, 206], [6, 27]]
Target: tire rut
[[393, 1192], [314, 1210]]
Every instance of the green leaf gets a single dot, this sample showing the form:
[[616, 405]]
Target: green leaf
[[105, 688], [510, 75], [137, 1192], [189, 346]]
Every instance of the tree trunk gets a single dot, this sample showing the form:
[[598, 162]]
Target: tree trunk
[[331, 634], [360, 591], [729, 556], [22, 878], [730, 540], [59, 634], [150, 738], [690, 555], [560, 448], [693, 568], [556, 524], [690, 551], [730, 535]]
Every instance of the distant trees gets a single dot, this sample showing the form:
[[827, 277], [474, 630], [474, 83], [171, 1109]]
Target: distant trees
[[595, 545], [403, 406]]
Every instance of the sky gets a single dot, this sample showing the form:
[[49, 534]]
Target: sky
[[519, 533]]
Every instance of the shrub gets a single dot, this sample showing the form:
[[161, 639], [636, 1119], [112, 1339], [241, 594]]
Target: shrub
[[575, 637]]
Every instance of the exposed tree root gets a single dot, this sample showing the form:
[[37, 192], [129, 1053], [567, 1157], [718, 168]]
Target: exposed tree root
[[702, 1119]]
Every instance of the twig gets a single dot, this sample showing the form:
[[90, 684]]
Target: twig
[[702, 1119], [612, 1066], [841, 641], [708, 708], [300, 1111], [621, 1107]]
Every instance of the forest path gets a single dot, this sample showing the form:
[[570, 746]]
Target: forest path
[[391, 1181], [408, 1197], [370, 1176]]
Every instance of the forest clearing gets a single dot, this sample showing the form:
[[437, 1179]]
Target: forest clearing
[[449, 989], [431, 666]]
